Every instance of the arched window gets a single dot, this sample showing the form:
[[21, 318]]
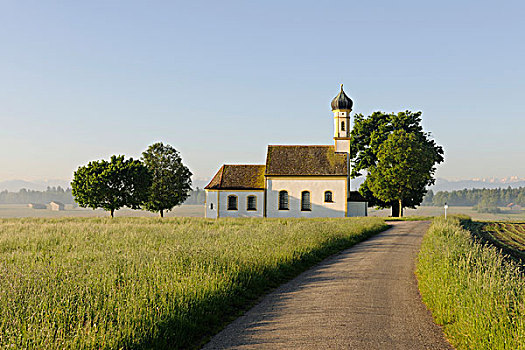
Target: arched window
[[342, 126], [305, 201], [283, 200], [328, 197], [232, 202], [211, 206], [251, 203]]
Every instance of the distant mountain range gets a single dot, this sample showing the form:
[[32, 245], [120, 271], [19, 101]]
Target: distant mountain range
[[37, 185], [441, 184], [41, 185], [453, 185]]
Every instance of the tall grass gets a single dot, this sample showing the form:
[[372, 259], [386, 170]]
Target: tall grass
[[476, 294], [137, 283]]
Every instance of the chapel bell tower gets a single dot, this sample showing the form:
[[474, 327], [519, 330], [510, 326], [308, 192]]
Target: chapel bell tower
[[342, 107]]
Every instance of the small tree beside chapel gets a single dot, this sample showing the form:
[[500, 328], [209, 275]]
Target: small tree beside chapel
[[370, 138], [404, 168], [171, 180], [111, 185]]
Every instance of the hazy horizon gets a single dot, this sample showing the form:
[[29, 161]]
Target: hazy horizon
[[441, 184], [221, 81]]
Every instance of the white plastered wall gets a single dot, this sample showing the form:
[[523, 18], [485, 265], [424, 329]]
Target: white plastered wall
[[340, 116], [357, 209], [342, 145], [211, 204], [241, 204], [316, 187]]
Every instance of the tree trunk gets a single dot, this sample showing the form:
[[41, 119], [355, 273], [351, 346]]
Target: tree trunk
[[400, 208], [161, 213], [112, 212], [395, 209]]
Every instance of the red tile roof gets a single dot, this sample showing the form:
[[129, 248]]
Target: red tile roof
[[238, 177], [305, 160]]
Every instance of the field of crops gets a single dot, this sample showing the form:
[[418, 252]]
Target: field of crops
[[146, 282], [507, 235]]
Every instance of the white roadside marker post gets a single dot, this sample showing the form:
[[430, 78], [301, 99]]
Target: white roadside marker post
[[446, 207]]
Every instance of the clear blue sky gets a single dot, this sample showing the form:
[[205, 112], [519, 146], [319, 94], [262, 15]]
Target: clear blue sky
[[219, 80]]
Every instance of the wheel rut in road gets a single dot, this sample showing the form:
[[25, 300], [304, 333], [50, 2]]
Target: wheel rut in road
[[366, 297]]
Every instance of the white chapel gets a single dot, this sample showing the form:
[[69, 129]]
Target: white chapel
[[296, 181]]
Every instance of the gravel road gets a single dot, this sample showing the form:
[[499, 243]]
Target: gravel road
[[364, 298]]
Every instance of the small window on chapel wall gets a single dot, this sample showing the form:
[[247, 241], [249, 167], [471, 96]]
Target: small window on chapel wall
[[342, 126], [283, 200], [328, 197], [211, 206], [251, 203], [232, 202], [305, 201]]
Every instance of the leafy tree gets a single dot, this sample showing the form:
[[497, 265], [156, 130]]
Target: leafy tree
[[404, 168], [111, 185], [481, 198], [520, 198], [488, 203], [171, 183], [369, 133], [427, 200]]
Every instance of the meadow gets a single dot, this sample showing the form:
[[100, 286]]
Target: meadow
[[137, 283], [473, 290], [22, 211]]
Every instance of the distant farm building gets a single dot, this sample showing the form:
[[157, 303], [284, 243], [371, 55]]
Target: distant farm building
[[37, 206], [514, 207], [56, 206]]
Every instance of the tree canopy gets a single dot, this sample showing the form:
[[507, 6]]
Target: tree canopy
[[370, 133], [112, 184], [403, 170], [478, 197], [171, 180]]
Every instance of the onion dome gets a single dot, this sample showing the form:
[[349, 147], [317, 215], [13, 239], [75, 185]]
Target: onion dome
[[341, 101]]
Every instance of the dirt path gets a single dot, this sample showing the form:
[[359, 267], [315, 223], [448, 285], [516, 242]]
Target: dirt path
[[364, 298]]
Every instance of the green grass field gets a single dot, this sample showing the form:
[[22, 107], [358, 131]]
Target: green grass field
[[472, 289], [135, 283]]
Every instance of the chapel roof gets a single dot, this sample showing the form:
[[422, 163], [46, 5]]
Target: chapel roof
[[238, 177], [342, 101], [305, 161]]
